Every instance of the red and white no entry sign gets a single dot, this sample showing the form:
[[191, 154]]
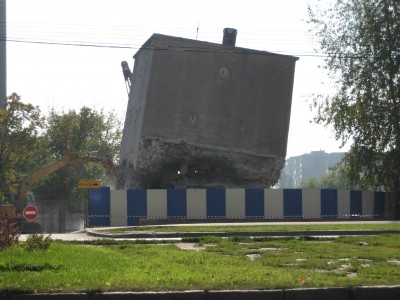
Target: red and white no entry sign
[[30, 212]]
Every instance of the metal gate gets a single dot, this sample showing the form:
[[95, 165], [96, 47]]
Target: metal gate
[[56, 216]]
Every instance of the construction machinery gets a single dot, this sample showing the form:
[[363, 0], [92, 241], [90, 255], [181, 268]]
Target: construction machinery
[[24, 197]]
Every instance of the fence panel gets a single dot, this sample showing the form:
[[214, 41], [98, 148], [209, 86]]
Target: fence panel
[[135, 207], [58, 216]]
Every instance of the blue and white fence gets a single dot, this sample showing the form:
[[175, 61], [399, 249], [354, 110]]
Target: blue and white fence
[[127, 207]]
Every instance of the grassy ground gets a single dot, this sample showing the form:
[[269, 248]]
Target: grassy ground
[[234, 263], [255, 228]]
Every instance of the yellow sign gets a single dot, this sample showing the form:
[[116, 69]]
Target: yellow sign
[[89, 184]]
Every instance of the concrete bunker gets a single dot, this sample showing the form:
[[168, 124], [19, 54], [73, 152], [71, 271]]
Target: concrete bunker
[[206, 115]]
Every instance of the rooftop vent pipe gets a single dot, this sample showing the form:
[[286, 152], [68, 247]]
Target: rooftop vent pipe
[[229, 37]]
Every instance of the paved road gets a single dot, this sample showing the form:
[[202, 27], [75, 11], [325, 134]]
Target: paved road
[[82, 235], [70, 236]]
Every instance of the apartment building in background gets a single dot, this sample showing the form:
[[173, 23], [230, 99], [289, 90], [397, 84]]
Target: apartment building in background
[[302, 167]]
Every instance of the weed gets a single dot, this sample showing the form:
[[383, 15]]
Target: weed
[[209, 240], [306, 238], [273, 238], [240, 239], [190, 240], [38, 242], [30, 268]]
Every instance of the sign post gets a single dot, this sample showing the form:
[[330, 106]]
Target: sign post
[[89, 184], [30, 212]]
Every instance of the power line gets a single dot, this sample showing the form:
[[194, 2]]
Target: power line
[[76, 29], [240, 51], [78, 44], [163, 48]]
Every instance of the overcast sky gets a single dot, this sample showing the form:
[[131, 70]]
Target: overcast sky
[[65, 54]]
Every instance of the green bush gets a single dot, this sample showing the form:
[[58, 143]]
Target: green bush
[[38, 242], [8, 229]]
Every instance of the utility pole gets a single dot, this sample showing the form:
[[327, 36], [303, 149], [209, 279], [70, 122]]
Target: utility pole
[[3, 53]]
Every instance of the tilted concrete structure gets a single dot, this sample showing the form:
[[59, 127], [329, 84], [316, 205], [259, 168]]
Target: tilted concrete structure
[[206, 115]]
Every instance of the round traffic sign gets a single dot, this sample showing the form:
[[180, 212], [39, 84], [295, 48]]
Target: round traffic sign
[[30, 212]]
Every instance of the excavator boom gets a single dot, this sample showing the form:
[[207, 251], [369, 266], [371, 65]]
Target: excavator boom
[[68, 159]]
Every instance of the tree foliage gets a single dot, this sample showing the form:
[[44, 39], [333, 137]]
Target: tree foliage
[[27, 140], [76, 132], [19, 128], [361, 41], [332, 180]]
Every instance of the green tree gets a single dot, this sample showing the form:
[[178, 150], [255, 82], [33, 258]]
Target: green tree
[[19, 127], [76, 132], [310, 183], [332, 180], [361, 41]]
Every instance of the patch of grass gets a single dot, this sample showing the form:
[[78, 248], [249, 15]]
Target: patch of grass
[[30, 268], [137, 266], [38, 242], [210, 240], [240, 239]]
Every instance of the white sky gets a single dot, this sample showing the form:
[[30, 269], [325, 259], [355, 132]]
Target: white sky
[[69, 77]]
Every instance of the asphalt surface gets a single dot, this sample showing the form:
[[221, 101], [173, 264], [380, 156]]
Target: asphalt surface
[[357, 293], [80, 235], [97, 233]]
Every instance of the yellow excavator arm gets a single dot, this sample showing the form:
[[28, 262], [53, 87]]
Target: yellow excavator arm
[[68, 159]]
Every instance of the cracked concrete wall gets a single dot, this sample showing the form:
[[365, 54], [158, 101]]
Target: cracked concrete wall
[[208, 96], [201, 166], [135, 110]]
